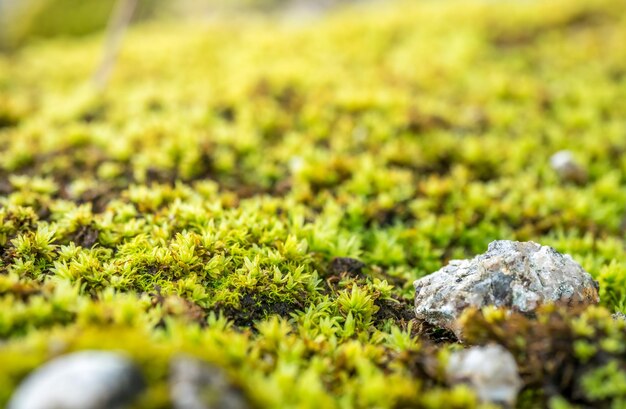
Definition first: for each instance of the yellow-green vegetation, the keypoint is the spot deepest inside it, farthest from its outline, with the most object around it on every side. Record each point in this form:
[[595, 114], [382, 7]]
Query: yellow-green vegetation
[[22, 21], [200, 202]]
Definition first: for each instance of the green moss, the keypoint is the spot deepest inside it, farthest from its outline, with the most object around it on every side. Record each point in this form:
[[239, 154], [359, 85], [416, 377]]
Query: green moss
[[197, 204]]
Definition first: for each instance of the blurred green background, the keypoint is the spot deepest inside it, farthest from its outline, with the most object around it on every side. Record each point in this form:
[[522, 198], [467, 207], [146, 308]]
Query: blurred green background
[[23, 21]]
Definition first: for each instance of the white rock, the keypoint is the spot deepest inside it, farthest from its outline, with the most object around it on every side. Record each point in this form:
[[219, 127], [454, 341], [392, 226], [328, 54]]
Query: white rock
[[82, 380], [515, 275], [565, 165], [490, 371]]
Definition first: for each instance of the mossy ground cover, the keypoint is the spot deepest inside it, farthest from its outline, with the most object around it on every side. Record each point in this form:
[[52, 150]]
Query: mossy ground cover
[[261, 194]]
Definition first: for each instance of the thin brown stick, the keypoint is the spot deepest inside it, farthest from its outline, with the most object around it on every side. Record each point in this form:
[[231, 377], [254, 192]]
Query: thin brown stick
[[118, 23]]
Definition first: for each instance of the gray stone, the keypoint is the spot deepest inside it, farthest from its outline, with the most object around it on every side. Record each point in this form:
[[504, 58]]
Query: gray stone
[[511, 274], [82, 380], [490, 371], [619, 316], [195, 384], [565, 165]]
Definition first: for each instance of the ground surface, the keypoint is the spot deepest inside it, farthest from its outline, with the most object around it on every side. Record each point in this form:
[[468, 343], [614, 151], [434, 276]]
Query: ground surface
[[199, 203]]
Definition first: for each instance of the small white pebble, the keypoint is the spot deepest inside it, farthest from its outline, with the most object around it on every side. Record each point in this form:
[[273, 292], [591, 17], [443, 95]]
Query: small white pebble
[[565, 165], [82, 380], [490, 371]]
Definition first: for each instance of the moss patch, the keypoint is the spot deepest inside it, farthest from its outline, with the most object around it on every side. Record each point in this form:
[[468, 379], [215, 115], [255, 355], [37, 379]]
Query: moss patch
[[262, 194]]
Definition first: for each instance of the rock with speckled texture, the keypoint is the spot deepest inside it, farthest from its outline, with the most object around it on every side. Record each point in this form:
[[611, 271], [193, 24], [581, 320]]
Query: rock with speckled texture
[[619, 316], [511, 274]]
